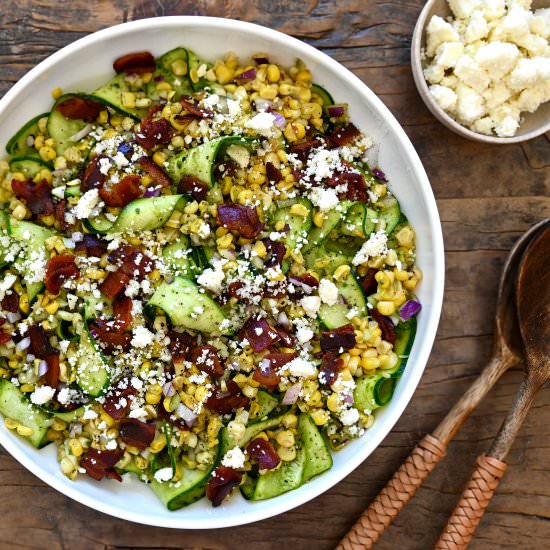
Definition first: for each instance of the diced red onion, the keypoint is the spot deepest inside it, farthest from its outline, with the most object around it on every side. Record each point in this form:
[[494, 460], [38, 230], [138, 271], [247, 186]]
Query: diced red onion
[[186, 414], [379, 174], [372, 154], [348, 398], [409, 309], [168, 390], [280, 120], [247, 75], [159, 78], [337, 111], [81, 134], [155, 192], [282, 319], [262, 104], [23, 344], [42, 368], [260, 59], [13, 317], [291, 395]]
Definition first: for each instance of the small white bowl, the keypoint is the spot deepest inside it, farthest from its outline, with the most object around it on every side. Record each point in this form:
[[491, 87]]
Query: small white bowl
[[532, 125], [86, 64]]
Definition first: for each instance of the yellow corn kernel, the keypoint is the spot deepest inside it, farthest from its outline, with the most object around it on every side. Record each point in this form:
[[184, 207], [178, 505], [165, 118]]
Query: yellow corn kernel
[[255, 177], [285, 439], [236, 430], [154, 275], [128, 100], [19, 212], [192, 208], [152, 398], [200, 393], [401, 275], [333, 402], [140, 462], [370, 363], [315, 399], [159, 158], [385, 307], [76, 447], [290, 420], [225, 241], [410, 285], [11, 424], [287, 454], [96, 274], [52, 307], [388, 360], [320, 416], [47, 153], [223, 73], [318, 219], [26, 388], [59, 425], [268, 92], [273, 73], [163, 86], [158, 443], [67, 467], [299, 210], [260, 249], [179, 67], [341, 273], [189, 438], [57, 93]]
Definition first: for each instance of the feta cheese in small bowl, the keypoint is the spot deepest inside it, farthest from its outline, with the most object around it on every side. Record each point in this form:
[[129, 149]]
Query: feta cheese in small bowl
[[482, 67]]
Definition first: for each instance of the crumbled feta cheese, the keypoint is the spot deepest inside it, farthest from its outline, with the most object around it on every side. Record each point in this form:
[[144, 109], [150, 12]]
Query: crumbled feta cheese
[[234, 458], [89, 414], [261, 123], [448, 54], [42, 394], [164, 474], [439, 31], [311, 305], [87, 203], [304, 335], [324, 198], [212, 278], [446, 97], [328, 292], [497, 58], [349, 416], [376, 245], [142, 337], [301, 367]]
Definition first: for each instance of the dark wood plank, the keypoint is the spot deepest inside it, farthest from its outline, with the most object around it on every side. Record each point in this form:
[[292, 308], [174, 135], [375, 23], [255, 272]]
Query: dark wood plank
[[487, 197]]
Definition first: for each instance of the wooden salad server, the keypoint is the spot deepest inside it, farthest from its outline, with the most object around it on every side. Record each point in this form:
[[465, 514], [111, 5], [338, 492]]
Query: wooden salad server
[[533, 309], [507, 352]]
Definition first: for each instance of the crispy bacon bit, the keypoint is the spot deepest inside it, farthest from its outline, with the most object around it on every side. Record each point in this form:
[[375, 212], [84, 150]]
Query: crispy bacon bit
[[10, 302], [243, 220], [301, 150], [121, 193], [368, 283], [330, 367], [190, 185], [40, 343], [114, 283], [340, 338], [100, 464], [155, 171], [137, 63], [386, 326], [137, 433], [4, 338], [342, 135], [59, 213], [79, 108], [356, 186], [207, 360], [221, 483], [122, 310], [272, 172], [263, 454], [227, 401], [58, 270], [286, 338], [93, 177], [275, 253], [154, 132], [37, 195], [92, 245], [117, 402], [180, 345], [111, 338], [302, 285], [266, 372], [193, 109], [259, 333], [51, 378]]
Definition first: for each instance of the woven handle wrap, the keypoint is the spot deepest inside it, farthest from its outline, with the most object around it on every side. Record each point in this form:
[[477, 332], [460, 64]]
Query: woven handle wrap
[[394, 495], [472, 505]]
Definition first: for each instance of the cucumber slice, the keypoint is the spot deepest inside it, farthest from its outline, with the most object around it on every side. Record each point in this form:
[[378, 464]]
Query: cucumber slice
[[140, 215], [194, 62], [178, 256], [29, 166], [373, 391], [67, 416], [267, 403], [318, 457], [180, 83], [403, 344], [336, 315], [15, 405], [318, 234], [93, 373], [187, 306], [251, 431], [17, 145], [320, 259], [390, 214], [358, 221], [323, 94], [110, 95]]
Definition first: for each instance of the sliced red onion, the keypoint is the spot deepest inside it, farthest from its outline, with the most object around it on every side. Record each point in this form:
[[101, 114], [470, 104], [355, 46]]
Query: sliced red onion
[[263, 104], [300, 284], [409, 309], [347, 398], [186, 414], [291, 395], [282, 319], [13, 317], [81, 134], [168, 390], [260, 59], [379, 174], [280, 120], [247, 75], [42, 368], [337, 111], [155, 192], [23, 344], [159, 78], [372, 154]]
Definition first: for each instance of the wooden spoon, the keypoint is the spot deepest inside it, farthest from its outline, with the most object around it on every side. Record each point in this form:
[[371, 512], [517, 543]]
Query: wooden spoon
[[507, 352], [533, 308]]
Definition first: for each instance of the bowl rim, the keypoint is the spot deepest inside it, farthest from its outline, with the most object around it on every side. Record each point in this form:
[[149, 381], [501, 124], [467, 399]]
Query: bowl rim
[[443, 117], [325, 482]]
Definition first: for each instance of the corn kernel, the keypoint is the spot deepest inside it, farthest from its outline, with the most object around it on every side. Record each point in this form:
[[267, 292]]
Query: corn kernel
[[333, 402], [320, 416], [26, 388], [341, 273], [179, 67], [47, 153], [319, 219], [223, 74], [57, 93], [290, 420], [386, 307], [260, 249], [285, 438], [11, 424], [287, 454], [128, 100], [273, 73], [76, 447], [52, 307], [67, 467], [59, 425]]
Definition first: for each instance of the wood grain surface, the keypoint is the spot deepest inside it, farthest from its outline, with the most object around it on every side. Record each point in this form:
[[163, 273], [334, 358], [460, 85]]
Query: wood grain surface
[[487, 196]]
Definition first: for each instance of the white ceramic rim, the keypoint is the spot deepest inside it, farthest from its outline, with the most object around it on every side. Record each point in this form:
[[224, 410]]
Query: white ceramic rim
[[324, 482]]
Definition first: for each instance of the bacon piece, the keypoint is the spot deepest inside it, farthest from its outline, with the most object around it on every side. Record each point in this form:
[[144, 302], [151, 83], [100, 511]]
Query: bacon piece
[[93, 177], [99, 464], [4, 338], [180, 345], [243, 220], [227, 401], [263, 454], [330, 367], [386, 326], [114, 283], [275, 253], [301, 150], [266, 372], [154, 132], [272, 172], [51, 378], [37, 195], [302, 285], [122, 310], [286, 338], [135, 63], [92, 245], [58, 270], [59, 213], [79, 108], [221, 483], [117, 402], [159, 176], [40, 343], [259, 333], [207, 360], [193, 109], [368, 282], [190, 185], [111, 338], [341, 338], [10, 301], [137, 433], [121, 193], [356, 186], [342, 135]]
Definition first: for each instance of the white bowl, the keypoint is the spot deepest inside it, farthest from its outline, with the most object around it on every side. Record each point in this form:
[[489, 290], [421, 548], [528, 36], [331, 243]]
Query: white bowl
[[84, 65]]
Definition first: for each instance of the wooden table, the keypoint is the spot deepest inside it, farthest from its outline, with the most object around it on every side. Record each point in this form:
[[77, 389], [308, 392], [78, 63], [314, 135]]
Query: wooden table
[[487, 197]]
